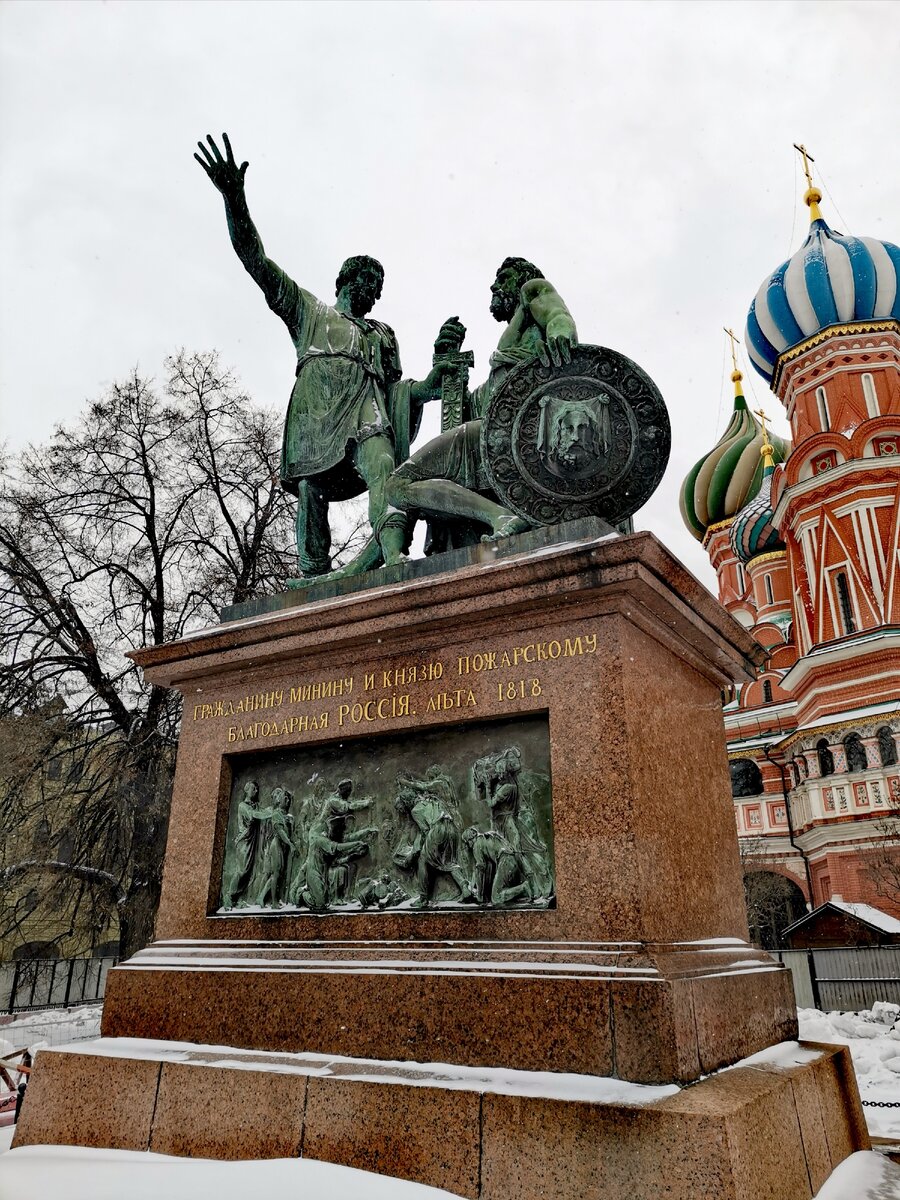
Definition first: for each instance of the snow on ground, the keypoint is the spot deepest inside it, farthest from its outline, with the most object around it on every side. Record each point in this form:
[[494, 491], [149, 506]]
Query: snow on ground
[[73, 1172], [866, 1175], [875, 1046], [51, 1027], [39, 1172]]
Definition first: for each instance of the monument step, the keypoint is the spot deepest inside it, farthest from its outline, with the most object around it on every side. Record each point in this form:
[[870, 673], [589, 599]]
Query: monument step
[[657, 1013], [577, 960], [756, 1129]]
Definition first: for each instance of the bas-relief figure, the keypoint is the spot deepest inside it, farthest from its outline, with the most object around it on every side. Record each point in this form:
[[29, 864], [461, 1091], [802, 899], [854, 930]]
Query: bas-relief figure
[[425, 853], [243, 850], [430, 804], [326, 878]]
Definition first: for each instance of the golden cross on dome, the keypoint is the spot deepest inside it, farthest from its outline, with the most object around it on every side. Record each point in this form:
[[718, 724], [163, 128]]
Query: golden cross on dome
[[813, 195], [736, 375], [735, 341], [807, 159], [766, 450]]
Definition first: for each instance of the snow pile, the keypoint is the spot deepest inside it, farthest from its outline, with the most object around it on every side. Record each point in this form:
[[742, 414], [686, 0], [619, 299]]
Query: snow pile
[[865, 1175], [39, 1172], [874, 1043], [51, 1027]]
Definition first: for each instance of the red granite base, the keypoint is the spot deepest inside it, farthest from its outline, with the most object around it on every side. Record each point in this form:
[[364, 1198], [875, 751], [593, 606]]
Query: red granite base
[[773, 1129], [648, 1014]]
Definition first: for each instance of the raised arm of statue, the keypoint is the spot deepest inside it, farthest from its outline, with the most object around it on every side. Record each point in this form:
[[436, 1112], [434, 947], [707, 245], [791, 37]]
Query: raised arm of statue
[[282, 295], [549, 310]]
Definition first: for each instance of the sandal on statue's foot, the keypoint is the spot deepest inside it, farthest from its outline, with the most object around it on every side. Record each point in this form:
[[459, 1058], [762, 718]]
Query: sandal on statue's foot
[[506, 527], [398, 561]]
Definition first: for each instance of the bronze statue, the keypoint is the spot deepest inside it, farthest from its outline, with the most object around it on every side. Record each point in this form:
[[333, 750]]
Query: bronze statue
[[351, 418], [447, 477]]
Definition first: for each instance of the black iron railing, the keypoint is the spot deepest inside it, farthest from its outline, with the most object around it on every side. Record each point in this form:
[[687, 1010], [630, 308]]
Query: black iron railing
[[37, 983]]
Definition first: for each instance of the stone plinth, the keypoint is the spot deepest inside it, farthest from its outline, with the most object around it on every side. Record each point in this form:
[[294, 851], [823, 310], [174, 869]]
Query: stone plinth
[[638, 970], [775, 1127]]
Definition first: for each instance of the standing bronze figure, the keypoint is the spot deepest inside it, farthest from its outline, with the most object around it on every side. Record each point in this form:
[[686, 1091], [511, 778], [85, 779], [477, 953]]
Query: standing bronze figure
[[351, 418]]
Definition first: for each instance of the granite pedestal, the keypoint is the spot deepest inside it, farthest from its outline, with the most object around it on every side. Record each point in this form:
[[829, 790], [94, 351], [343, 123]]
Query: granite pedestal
[[640, 972]]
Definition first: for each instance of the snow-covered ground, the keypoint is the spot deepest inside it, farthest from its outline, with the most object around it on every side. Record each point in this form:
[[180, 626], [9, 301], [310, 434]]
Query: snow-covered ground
[[51, 1027], [875, 1046], [863, 1176], [42, 1172], [75, 1173]]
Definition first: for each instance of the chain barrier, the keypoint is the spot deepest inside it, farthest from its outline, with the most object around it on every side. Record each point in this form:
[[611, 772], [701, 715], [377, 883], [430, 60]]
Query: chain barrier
[[880, 1103]]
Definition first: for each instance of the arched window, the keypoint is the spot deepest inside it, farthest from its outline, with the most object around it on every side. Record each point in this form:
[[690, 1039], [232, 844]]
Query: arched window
[[773, 903], [855, 752], [35, 950], [843, 593], [887, 746], [871, 396], [746, 779], [742, 582], [770, 596], [826, 758], [822, 405], [767, 691]]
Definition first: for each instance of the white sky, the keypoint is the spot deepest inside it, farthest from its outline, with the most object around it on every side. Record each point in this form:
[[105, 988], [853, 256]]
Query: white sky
[[639, 153]]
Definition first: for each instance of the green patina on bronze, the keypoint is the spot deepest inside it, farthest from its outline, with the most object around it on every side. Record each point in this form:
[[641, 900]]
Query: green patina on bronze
[[352, 419], [451, 817]]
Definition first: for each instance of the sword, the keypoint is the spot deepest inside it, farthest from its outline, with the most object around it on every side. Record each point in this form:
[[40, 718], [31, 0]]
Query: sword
[[454, 385]]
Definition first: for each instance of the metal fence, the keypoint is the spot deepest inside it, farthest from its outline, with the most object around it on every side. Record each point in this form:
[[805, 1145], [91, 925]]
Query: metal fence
[[846, 979], [34, 983]]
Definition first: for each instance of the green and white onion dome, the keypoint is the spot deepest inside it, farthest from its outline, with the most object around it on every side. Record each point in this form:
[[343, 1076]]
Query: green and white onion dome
[[724, 480], [753, 530]]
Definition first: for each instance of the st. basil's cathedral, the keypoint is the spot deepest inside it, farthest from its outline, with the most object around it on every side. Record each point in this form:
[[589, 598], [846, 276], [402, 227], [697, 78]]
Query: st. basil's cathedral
[[804, 537]]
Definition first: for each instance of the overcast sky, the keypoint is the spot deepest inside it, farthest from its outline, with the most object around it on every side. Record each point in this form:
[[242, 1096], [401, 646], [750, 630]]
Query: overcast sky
[[639, 153]]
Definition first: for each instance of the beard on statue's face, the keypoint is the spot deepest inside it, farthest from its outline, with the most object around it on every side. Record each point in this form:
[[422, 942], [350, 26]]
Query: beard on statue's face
[[503, 301]]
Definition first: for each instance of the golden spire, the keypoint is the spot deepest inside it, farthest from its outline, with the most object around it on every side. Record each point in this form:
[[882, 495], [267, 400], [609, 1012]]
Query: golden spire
[[812, 195], [736, 376], [766, 450]]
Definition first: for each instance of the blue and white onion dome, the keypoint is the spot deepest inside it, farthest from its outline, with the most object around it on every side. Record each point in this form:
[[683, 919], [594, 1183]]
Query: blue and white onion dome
[[753, 530], [831, 280]]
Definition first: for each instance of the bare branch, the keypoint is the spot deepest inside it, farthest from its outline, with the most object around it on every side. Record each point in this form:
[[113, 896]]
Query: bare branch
[[131, 526]]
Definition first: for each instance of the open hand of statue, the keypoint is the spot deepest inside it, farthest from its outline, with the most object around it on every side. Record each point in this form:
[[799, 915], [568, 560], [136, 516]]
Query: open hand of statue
[[557, 349], [450, 336], [224, 172]]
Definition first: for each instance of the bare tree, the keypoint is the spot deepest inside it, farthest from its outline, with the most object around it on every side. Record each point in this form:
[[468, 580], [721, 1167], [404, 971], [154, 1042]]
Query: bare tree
[[129, 528], [883, 859]]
